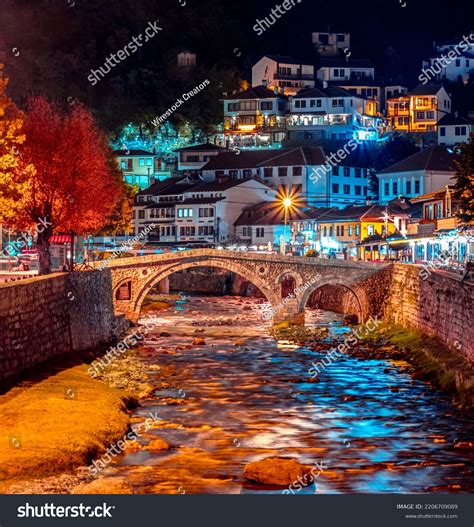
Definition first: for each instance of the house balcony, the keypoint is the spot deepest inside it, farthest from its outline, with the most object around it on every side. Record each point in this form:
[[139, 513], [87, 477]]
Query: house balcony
[[293, 76], [447, 224]]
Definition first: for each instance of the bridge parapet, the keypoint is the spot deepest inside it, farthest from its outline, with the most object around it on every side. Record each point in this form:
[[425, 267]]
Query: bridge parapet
[[275, 276]]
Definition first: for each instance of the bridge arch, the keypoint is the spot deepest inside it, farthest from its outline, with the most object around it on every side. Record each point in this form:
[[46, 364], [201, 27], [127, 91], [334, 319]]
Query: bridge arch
[[143, 281], [358, 295]]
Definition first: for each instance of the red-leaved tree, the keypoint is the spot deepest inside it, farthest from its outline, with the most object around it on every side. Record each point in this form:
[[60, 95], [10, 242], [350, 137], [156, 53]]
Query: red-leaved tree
[[74, 183]]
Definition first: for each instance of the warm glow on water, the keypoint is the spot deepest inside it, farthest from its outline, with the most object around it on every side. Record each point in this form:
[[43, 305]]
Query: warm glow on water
[[375, 428]]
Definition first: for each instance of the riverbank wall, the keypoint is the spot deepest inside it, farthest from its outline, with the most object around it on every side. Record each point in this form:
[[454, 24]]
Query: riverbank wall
[[48, 316]]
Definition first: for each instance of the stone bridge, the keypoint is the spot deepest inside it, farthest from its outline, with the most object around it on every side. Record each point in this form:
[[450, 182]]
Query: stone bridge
[[286, 281]]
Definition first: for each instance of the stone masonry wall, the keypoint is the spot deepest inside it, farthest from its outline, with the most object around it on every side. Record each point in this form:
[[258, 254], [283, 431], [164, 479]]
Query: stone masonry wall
[[438, 306], [48, 316]]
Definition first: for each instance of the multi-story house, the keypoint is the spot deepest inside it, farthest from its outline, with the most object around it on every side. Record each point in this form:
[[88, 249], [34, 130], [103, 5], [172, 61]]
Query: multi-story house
[[424, 172], [138, 166], [328, 43], [342, 181], [287, 170], [287, 74], [373, 89], [453, 129], [420, 110], [332, 113], [436, 235], [156, 206], [340, 70], [263, 225], [184, 212], [338, 232], [459, 67], [192, 158], [254, 117]]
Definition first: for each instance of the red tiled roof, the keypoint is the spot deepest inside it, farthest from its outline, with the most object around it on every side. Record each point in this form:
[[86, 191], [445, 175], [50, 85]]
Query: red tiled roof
[[299, 156]]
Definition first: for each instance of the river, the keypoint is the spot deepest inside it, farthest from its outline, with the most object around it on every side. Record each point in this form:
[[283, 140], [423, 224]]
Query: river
[[370, 425]]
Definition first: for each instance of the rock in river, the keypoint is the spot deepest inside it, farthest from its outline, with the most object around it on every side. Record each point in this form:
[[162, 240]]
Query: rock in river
[[158, 444], [104, 486], [279, 471]]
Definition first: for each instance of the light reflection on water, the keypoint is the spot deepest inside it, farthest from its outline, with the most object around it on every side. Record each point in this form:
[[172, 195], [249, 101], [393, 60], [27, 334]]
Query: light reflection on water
[[251, 402]]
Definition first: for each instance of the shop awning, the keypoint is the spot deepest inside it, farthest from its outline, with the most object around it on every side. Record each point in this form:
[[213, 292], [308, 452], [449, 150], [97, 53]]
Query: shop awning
[[60, 238]]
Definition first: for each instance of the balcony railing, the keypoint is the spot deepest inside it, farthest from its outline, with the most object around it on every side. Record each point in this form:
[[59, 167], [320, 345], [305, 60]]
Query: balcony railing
[[447, 223], [293, 76]]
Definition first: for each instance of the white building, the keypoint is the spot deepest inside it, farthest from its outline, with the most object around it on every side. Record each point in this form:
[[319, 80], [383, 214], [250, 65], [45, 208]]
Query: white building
[[299, 172], [187, 213], [421, 173], [327, 43], [452, 60], [287, 74], [453, 130], [332, 113], [254, 118], [340, 69]]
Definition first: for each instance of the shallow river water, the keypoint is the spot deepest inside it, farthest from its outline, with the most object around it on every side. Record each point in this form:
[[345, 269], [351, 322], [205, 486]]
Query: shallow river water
[[367, 422]]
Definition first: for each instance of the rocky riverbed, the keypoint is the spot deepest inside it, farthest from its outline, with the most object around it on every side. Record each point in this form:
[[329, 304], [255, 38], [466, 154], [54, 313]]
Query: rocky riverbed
[[227, 394]]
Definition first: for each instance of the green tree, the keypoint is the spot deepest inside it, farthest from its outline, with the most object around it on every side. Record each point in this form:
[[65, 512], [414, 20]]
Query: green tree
[[464, 187]]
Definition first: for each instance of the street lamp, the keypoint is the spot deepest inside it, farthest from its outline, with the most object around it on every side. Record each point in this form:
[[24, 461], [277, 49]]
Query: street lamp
[[287, 204]]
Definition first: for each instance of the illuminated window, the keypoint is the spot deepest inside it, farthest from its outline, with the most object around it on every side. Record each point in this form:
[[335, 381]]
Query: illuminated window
[[370, 230], [149, 162], [141, 162]]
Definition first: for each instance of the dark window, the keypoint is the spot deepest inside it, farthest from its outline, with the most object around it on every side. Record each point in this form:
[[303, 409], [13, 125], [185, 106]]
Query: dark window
[[394, 188], [347, 189], [141, 214], [357, 172], [297, 171], [442, 131], [335, 188], [358, 190], [417, 187], [266, 105], [408, 187], [386, 189], [347, 172], [319, 103], [335, 171], [282, 171], [268, 172]]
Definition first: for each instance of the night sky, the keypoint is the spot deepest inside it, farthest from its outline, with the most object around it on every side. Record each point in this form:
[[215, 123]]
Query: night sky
[[59, 41]]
